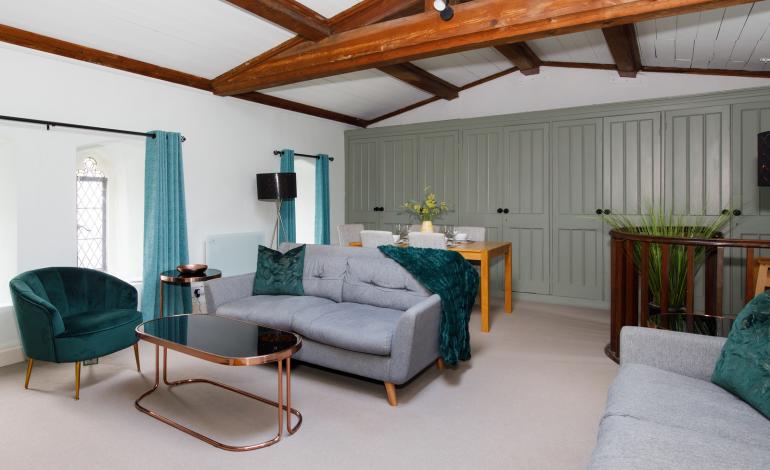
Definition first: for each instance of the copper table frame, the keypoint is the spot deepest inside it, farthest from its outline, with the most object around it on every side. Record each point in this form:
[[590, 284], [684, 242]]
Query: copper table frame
[[280, 357]]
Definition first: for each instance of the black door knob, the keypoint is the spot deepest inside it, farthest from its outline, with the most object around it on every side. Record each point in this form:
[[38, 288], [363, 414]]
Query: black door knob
[[505, 211], [737, 212], [725, 212], [499, 210], [606, 211], [598, 211]]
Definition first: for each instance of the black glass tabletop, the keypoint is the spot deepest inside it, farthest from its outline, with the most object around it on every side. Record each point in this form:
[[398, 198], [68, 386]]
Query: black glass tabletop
[[176, 277], [220, 339]]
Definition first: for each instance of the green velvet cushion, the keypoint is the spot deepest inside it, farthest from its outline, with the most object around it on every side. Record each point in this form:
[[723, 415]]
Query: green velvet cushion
[[279, 273], [744, 366]]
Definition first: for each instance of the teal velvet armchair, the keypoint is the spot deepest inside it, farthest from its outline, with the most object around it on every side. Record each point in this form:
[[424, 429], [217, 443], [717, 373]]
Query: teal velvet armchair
[[74, 314]]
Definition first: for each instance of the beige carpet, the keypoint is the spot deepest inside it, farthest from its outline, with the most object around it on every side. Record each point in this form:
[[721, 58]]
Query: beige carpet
[[531, 398]]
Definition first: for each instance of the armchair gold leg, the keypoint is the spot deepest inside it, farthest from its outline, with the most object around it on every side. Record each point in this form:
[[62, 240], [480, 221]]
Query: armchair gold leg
[[440, 364], [390, 389], [77, 380], [136, 356], [30, 363]]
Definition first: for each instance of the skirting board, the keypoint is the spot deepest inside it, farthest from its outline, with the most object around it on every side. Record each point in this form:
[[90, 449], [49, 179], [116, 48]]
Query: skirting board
[[11, 355]]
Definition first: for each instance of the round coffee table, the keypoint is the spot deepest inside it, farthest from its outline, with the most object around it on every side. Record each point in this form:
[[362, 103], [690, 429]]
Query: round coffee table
[[229, 342]]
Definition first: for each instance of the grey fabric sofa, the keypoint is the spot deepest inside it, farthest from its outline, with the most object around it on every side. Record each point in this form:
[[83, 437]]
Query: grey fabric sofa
[[663, 412], [362, 313]]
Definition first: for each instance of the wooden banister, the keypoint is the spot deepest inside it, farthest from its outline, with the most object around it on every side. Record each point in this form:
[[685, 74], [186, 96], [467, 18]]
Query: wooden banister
[[630, 281]]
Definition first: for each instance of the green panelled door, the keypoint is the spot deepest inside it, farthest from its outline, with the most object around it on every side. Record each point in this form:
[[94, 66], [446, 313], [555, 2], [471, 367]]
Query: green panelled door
[[577, 264], [362, 176], [526, 212]]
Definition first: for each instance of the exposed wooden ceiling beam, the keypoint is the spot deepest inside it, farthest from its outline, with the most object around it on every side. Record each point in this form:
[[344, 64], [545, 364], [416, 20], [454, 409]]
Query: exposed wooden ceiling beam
[[679, 70], [522, 57], [476, 24], [301, 108], [361, 14], [696, 71], [51, 45], [424, 102], [289, 14], [421, 79], [624, 49], [371, 12]]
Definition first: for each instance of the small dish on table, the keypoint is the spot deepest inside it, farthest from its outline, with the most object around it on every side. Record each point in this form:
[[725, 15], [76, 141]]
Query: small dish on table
[[190, 269]]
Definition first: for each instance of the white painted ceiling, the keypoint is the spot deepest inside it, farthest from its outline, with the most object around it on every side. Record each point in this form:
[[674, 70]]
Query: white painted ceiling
[[209, 37], [729, 38]]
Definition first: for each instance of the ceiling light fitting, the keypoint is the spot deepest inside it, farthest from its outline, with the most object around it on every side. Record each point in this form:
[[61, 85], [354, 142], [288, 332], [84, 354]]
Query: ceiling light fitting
[[445, 11]]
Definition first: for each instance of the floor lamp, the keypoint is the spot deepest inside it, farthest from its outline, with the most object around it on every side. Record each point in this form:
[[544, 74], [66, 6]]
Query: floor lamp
[[276, 187]]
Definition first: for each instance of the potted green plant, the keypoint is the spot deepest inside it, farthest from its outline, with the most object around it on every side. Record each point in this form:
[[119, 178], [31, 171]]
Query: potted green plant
[[427, 210], [659, 222]]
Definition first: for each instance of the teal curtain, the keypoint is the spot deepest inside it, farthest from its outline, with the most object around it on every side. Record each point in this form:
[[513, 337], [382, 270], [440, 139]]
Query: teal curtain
[[288, 212], [322, 229], [165, 224]]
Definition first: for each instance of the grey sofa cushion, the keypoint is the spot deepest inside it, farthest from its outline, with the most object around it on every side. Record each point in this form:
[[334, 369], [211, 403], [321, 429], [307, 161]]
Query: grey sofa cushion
[[628, 443], [381, 282], [323, 275], [687, 404], [275, 311], [351, 326]]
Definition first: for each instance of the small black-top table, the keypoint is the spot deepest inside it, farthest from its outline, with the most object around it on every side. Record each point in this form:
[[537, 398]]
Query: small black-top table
[[176, 278]]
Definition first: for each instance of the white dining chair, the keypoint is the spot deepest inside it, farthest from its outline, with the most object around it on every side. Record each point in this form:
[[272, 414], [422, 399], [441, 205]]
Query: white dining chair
[[349, 233], [418, 227], [427, 240], [475, 234], [375, 238]]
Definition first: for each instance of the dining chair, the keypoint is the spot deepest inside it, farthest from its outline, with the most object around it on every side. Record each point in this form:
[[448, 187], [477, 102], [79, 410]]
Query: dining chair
[[427, 240], [375, 238], [349, 233], [475, 234]]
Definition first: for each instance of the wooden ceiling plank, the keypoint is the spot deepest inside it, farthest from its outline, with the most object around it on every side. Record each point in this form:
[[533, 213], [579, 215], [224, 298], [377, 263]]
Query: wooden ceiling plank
[[522, 56], [58, 47], [288, 14], [476, 24], [362, 14], [624, 49]]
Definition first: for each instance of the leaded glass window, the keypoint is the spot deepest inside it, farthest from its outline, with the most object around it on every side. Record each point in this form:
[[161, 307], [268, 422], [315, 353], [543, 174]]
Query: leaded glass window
[[91, 195]]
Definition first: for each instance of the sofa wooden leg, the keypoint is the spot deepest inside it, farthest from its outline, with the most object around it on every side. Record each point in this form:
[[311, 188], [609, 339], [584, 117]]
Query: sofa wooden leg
[[440, 364], [77, 380], [30, 363], [390, 389], [136, 356]]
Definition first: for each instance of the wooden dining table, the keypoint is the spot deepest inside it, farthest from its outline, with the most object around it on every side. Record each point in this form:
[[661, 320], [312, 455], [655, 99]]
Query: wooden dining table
[[484, 252]]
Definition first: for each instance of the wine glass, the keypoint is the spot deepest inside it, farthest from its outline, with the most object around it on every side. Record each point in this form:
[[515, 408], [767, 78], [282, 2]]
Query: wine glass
[[450, 232]]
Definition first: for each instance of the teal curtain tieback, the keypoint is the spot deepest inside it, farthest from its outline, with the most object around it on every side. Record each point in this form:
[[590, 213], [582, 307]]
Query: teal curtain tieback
[[165, 224], [288, 211], [322, 227]]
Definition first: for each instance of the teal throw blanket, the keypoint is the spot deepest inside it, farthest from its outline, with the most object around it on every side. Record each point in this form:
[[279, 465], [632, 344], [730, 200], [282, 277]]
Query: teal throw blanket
[[449, 275]]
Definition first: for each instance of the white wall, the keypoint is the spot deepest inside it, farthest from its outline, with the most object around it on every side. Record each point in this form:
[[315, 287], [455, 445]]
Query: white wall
[[228, 142], [555, 88]]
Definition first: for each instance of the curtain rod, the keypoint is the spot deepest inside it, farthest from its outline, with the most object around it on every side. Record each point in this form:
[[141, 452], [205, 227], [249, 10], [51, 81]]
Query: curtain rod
[[278, 152], [49, 124]]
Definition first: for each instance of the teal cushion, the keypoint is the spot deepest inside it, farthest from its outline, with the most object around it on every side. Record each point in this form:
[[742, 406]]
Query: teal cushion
[[744, 366], [279, 273]]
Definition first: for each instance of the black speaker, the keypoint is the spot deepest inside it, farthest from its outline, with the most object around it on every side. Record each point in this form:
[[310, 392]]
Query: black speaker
[[763, 159]]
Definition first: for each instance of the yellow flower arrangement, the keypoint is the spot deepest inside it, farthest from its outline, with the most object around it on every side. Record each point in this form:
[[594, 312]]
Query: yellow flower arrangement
[[428, 208]]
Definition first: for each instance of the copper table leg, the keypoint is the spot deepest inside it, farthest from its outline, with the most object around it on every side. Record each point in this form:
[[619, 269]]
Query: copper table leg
[[279, 405]]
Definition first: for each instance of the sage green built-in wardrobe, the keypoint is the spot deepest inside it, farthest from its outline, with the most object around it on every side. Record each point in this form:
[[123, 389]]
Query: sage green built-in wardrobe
[[539, 180]]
